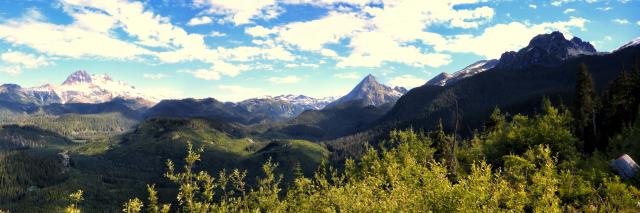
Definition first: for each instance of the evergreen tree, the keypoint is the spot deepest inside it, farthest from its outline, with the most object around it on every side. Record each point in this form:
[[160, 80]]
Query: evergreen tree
[[442, 144], [619, 106], [585, 106]]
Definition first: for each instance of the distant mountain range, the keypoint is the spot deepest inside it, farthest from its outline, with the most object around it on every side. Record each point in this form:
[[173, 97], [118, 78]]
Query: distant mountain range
[[284, 106], [368, 92]]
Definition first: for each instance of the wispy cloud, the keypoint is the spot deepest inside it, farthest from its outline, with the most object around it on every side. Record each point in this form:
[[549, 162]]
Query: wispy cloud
[[199, 21], [621, 21], [285, 80], [154, 76], [216, 34], [407, 81], [20, 61], [347, 75]]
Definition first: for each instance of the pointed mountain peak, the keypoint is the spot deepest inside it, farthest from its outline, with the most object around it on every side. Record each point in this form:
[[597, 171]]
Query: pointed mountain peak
[[371, 92], [369, 78], [78, 77]]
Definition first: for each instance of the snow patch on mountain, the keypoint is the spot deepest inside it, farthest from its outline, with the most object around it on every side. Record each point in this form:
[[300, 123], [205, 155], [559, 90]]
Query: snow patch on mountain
[[480, 66], [632, 43]]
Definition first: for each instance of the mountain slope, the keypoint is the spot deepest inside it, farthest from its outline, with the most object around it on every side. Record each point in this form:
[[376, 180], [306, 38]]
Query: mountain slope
[[330, 122], [475, 68], [513, 90], [371, 92]]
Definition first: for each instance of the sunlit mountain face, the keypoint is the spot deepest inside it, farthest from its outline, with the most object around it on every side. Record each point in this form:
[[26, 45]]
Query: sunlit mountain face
[[236, 50]]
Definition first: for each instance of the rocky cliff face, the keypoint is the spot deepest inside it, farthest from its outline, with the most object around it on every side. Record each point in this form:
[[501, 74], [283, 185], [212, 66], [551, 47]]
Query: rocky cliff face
[[546, 50]]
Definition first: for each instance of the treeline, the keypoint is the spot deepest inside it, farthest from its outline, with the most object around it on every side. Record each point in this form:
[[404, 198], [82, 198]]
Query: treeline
[[76, 126]]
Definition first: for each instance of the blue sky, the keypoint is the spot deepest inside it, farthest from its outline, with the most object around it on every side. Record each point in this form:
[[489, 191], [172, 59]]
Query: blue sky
[[237, 49]]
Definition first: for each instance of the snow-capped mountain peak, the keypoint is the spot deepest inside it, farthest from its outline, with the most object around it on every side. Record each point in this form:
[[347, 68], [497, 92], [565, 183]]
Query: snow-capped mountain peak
[[78, 77], [82, 87]]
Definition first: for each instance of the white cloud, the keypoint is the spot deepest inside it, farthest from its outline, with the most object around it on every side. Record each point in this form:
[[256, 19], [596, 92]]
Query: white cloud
[[155, 76], [237, 92], [533, 6], [25, 60], [11, 70], [620, 21], [237, 89], [380, 35], [216, 34], [199, 21], [638, 22], [569, 10], [205, 74], [327, 30], [302, 65], [347, 75], [92, 33], [493, 41], [259, 31], [241, 11], [407, 81], [248, 53], [604, 8], [559, 3], [217, 69], [328, 53], [290, 79], [70, 41], [373, 49]]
